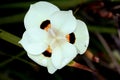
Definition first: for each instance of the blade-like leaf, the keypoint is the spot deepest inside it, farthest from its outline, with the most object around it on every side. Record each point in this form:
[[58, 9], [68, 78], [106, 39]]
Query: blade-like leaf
[[9, 37]]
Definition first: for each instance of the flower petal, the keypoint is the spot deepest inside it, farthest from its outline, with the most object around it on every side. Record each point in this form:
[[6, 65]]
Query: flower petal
[[69, 52], [63, 21], [82, 37], [56, 57], [38, 13], [51, 67], [34, 41], [63, 54], [39, 59], [43, 61]]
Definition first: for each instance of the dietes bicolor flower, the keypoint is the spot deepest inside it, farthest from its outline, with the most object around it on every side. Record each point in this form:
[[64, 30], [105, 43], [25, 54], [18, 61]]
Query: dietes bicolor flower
[[53, 37]]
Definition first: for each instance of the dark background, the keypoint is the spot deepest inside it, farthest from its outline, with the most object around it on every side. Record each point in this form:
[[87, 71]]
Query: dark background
[[15, 64]]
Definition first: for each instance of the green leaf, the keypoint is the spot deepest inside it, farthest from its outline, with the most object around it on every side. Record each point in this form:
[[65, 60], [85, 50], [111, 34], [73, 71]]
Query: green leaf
[[102, 29], [12, 19], [9, 37], [62, 4]]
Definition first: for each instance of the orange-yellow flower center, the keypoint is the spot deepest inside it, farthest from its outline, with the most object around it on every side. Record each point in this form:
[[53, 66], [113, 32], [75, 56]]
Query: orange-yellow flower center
[[47, 27], [49, 49], [68, 37]]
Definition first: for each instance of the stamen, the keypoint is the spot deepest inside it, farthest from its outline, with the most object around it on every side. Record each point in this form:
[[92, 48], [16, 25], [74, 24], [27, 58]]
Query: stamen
[[51, 32], [45, 25]]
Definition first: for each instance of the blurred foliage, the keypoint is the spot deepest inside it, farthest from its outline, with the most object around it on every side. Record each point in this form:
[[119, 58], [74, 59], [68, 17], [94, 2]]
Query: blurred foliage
[[104, 41]]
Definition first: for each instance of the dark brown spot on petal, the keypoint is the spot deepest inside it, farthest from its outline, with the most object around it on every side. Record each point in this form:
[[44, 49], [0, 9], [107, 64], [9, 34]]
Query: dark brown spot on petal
[[72, 38], [45, 25], [46, 53]]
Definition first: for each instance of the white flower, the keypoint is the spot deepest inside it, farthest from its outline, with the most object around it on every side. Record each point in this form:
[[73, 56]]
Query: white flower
[[53, 37]]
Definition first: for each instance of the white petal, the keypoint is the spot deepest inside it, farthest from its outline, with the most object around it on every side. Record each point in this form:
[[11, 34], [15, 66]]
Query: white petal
[[51, 67], [39, 59], [63, 54], [36, 34], [56, 57], [82, 37], [34, 43], [38, 12], [69, 52], [63, 21]]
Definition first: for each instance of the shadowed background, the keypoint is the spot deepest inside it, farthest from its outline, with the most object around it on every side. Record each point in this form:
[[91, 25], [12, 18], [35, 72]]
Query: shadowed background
[[103, 21]]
